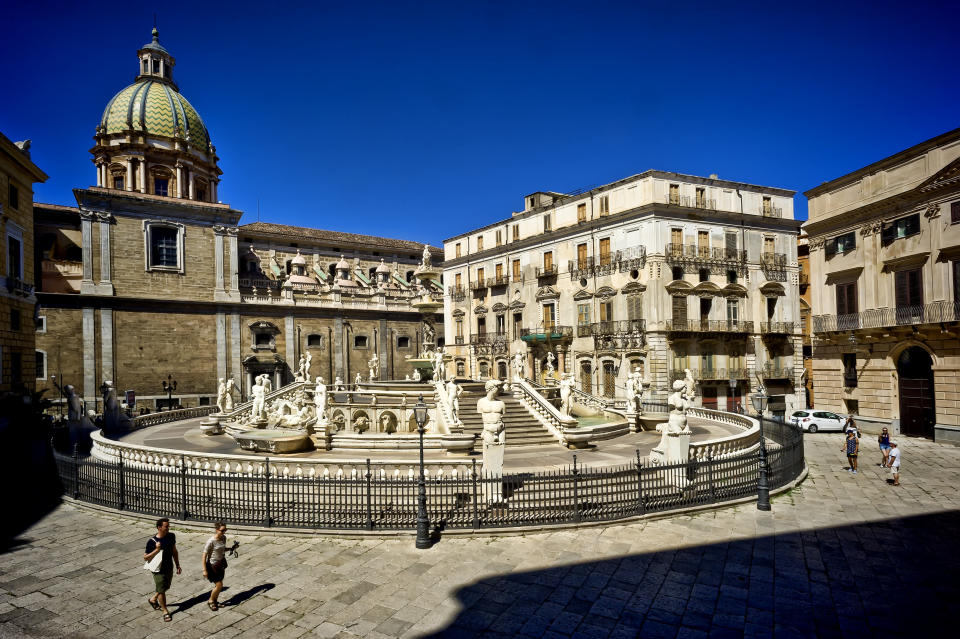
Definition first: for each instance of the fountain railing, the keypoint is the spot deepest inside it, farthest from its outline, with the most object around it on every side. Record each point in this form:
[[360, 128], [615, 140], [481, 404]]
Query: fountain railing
[[555, 421], [445, 417]]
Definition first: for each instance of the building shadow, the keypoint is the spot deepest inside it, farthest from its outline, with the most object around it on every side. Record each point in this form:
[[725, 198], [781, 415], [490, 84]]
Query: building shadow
[[33, 488], [873, 579]]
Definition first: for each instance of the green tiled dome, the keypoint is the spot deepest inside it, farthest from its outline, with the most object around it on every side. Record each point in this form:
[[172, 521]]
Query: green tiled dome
[[155, 108]]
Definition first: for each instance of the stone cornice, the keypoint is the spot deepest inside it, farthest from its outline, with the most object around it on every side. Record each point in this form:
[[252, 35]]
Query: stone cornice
[[138, 205], [875, 213]]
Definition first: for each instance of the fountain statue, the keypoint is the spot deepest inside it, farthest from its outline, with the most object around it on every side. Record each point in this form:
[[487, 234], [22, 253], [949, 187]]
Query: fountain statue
[[257, 412], [374, 366], [634, 391], [228, 400], [438, 372], [674, 446], [320, 400], [518, 367], [566, 394], [358, 380], [453, 398], [491, 412]]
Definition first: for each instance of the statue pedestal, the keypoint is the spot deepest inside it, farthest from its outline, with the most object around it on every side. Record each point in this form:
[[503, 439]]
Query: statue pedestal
[[322, 434], [674, 448], [634, 421], [258, 423], [211, 425], [493, 467]]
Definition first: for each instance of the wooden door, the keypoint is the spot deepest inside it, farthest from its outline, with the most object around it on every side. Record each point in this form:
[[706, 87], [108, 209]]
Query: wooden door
[[917, 416], [586, 379], [609, 380]]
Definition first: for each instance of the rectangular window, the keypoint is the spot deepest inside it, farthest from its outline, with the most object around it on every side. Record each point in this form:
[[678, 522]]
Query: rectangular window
[[403, 342], [954, 212], [160, 186], [850, 370], [359, 341], [41, 365], [14, 257], [163, 246], [605, 251], [730, 246], [549, 316], [706, 304], [904, 227], [459, 330], [676, 242], [480, 276], [499, 238], [767, 205], [847, 317], [548, 261], [604, 205], [703, 244], [581, 212], [583, 314], [516, 232], [634, 306], [547, 227], [516, 270], [501, 324], [499, 272], [457, 281], [16, 368], [517, 324], [908, 285], [840, 244], [701, 198], [733, 311], [13, 196], [118, 183], [606, 311], [581, 256], [456, 249], [731, 277], [481, 325], [674, 194], [41, 324], [479, 242], [679, 309], [769, 246]]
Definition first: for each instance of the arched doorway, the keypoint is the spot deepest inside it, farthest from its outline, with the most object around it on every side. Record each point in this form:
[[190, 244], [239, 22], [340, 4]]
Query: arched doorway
[[917, 410], [609, 380]]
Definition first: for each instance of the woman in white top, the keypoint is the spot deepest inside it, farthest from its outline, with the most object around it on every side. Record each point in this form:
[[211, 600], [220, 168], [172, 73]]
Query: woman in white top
[[215, 562]]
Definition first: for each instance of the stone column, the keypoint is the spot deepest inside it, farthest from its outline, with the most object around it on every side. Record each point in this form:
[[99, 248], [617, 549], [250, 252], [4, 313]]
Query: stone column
[[180, 173], [190, 186], [290, 337], [236, 364], [128, 183], [222, 346], [213, 190], [86, 242], [89, 354], [105, 286], [143, 176], [338, 368], [100, 180], [384, 346], [106, 344]]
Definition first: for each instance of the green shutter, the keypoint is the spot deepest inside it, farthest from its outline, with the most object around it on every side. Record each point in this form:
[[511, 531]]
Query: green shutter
[[323, 275], [363, 278], [276, 269]]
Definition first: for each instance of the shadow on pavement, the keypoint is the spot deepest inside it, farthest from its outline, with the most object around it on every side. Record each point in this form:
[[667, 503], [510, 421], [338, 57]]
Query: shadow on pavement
[[871, 579], [249, 593], [32, 487]]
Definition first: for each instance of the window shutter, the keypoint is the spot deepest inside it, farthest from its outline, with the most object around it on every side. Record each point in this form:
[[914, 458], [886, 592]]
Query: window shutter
[[915, 287], [888, 232], [830, 247], [954, 212], [900, 289], [679, 308], [852, 297]]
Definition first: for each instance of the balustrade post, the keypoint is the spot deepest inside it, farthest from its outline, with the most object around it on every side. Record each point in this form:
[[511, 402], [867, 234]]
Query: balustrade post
[[183, 487], [576, 496], [267, 489], [122, 487], [640, 507], [476, 508], [76, 471], [369, 498], [713, 489]]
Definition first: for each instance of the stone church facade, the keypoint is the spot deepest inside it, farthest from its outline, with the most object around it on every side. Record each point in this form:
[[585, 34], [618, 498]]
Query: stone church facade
[[150, 274]]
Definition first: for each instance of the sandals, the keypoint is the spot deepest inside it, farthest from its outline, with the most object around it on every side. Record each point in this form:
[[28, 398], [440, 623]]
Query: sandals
[[213, 605], [167, 617], [153, 604]]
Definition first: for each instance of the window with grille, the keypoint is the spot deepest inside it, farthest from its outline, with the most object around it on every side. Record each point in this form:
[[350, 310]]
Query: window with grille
[[163, 247]]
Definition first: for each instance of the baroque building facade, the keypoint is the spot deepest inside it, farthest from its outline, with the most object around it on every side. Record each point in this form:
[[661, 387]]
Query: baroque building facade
[[885, 268], [150, 274], [18, 355], [658, 271]]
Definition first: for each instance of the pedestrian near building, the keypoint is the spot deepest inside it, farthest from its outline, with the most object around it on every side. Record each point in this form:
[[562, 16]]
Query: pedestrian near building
[[851, 425], [894, 463], [164, 542], [215, 562], [852, 448], [884, 441]]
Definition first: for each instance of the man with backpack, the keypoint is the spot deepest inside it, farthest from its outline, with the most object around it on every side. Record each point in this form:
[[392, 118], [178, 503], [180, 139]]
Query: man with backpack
[[164, 546]]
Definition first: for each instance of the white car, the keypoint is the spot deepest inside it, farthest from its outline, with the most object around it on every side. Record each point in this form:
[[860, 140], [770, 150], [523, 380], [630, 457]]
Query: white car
[[812, 421]]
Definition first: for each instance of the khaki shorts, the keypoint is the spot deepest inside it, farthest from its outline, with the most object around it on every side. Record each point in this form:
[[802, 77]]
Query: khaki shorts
[[895, 470], [161, 581]]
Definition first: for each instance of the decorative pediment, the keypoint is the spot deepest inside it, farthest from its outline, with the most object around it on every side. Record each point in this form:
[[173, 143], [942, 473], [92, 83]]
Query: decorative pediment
[[679, 287], [547, 293], [499, 307], [706, 289], [480, 310], [907, 261], [633, 287], [772, 289], [606, 291], [516, 305], [734, 290], [948, 175], [582, 294], [458, 312], [262, 326]]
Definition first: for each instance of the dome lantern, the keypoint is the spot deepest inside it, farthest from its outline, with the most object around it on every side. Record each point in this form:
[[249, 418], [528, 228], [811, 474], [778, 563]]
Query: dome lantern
[[156, 63]]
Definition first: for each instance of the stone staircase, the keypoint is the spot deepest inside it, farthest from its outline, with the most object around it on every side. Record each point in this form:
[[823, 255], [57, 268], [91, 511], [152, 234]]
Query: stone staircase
[[522, 428]]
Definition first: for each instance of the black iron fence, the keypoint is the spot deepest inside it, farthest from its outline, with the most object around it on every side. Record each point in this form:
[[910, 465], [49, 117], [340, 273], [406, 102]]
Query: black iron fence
[[371, 500]]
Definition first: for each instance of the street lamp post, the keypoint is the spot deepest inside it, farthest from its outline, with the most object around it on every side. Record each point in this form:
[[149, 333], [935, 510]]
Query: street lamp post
[[169, 386], [763, 489], [733, 389], [423, 522]]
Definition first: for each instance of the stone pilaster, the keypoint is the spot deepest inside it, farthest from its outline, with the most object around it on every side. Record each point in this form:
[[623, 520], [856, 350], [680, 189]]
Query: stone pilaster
[[236, 364], [220, 293], [221, 329], [290, 337], [87, 286], [338, 368], [384, 350], [106, 344], [105, 285], [88, 339]]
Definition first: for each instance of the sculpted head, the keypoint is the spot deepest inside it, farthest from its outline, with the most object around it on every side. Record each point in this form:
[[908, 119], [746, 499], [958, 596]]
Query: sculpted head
[[492, 385], [678, 385]]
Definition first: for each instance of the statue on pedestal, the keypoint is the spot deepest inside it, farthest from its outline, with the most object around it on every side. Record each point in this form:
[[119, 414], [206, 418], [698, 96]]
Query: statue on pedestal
[[518, 367], [222, 395], [416, 375], [453, 398], [257, 412], [111, 409], [374, 366], [438, 372], [228, 400], [550, 369], [674, 443], [320, 400], [566, 394], [338, 384], [303, 364], [634, 391], [358, 379], [425, 263], [494, 439]]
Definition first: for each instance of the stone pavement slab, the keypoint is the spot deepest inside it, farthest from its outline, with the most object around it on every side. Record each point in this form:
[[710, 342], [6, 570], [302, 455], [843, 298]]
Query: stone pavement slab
[[841, 555]]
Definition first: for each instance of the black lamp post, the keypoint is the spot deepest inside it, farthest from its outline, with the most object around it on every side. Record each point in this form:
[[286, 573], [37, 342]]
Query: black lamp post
[[732, 408], [763, 490], [169, 386], [423, 522]]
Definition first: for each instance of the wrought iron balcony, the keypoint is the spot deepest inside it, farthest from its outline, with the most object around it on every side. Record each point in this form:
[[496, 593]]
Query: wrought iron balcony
[[547, 271], [458, 339], [689, 201], [709, 326], [623, 260], [546, 332], [769, 371], [773, 260], [457, 293], [499, 280], [487, 338], [681, 253], [771, 211], [615, 327], [776, 327], [478, 284], [933, 313], [712, 374], [18, 287]]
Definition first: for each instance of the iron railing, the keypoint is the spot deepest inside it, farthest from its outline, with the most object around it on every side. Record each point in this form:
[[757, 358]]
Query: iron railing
[[690, 201], [17, 286], [498, 280], [771, 211], [932, 313], [615, 327], [477, 284], [712, 374], [552, 331], [373, 500], [488, 338], [676, 252], [776, 327], [258, 282], [773, 260], [546, 271], [709, 326], [769, 371]]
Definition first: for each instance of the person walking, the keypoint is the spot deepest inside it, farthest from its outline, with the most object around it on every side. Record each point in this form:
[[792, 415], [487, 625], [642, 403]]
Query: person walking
[[884, 441], [893, 463], [215, 562], [163, 542], [851, 425], [852, 447]]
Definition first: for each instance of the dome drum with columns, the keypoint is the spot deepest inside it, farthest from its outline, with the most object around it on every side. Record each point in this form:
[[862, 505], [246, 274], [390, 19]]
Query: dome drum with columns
[[151, 139]]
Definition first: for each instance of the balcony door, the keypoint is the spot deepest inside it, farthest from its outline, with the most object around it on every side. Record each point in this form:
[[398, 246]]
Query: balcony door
[[549, 318], [609, 379], [679, 312], [908, 286], [581, 256], [847, 318], [586, 379]]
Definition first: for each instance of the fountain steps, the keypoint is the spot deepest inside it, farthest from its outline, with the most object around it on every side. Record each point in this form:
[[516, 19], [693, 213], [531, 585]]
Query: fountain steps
[[522, 428]]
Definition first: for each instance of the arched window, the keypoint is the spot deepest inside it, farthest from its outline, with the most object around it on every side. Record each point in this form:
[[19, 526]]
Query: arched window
[[333, 271], [409, 276]]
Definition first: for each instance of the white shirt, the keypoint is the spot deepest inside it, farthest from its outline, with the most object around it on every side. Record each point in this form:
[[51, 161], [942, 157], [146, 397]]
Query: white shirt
[[895, 457]]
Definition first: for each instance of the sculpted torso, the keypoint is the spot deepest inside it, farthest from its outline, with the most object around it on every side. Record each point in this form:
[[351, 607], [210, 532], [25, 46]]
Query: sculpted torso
[[491, 412]]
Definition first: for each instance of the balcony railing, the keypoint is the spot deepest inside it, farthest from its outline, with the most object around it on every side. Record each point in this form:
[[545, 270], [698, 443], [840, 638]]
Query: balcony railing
[[693, 253], [549, 331], [771, 211], [615, 327], [623, 260], [932, 313], [258, 282], [709, 326], [18, 287], [773, 260], [478, 284], [546, 271], [804, 279], [776, 327], [769, 371], [457, 293], [712, 374], [498, 280], [487, 338], [690, 201]]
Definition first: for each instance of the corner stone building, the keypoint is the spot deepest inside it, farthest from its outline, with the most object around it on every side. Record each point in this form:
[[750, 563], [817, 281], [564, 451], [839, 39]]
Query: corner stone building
[[150, 275], [885, 272]]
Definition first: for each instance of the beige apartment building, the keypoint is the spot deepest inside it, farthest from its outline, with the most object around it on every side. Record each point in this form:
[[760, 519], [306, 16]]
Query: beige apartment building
[[658, 271], [18, 357], [885, 272]]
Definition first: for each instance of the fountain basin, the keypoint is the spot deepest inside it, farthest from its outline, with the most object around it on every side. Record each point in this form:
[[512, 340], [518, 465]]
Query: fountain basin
[[276, 440]]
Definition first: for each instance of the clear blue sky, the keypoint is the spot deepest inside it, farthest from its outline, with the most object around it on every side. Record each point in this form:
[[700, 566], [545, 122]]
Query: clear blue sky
[[423, 120]]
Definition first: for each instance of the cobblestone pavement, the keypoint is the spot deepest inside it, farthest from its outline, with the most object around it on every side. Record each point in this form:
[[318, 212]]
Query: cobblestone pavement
[[841, 555]]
